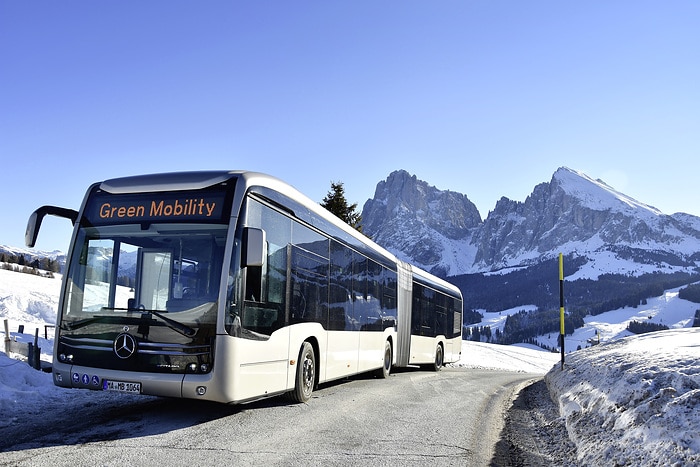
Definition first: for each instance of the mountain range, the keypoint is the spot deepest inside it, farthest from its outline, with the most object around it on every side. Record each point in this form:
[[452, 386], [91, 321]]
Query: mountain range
[[618, 251], [605, 230]]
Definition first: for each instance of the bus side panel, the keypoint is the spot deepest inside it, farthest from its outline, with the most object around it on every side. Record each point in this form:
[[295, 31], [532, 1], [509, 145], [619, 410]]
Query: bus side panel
[[371, 351], [453, 349], [341, 354], [254, 375], [423, 349]]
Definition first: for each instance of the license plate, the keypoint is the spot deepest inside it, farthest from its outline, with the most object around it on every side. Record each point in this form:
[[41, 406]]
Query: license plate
[[122, 386]]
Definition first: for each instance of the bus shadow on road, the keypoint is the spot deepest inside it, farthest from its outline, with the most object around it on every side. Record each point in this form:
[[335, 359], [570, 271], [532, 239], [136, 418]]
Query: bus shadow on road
[[96, 420], [89, 418]]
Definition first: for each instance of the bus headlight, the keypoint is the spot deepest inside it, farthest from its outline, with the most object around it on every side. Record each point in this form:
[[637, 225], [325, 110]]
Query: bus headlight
[[204, 367], [63, 358], [192, 367]]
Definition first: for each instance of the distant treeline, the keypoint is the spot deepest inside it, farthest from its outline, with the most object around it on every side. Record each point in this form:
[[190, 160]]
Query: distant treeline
[[539, 285], [640, 327], [690, 293], [524, 326], [26, 270], [471, 317], [45, 264]]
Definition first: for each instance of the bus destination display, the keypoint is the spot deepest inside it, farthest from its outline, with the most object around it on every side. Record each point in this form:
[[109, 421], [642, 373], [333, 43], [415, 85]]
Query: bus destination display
[[164, 207]]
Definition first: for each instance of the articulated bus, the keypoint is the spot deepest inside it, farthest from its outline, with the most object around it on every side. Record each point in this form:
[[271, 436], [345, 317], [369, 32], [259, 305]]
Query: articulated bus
[[231, 286]]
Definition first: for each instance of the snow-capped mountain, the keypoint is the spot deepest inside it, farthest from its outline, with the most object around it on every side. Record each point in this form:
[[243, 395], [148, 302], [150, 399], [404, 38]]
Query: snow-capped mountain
[[442, 232], [422, 224], [31, 255], [127, 261]]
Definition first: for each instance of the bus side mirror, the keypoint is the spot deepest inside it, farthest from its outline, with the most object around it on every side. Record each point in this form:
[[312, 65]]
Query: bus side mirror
[[254, 247], [34, 222]]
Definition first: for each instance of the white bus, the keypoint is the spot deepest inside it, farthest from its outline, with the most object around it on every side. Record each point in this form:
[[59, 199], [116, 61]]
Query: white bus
[[231, 286]]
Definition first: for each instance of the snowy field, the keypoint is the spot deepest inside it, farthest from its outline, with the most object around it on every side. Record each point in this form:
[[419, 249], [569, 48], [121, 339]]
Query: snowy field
[[629, 401], [668, 309]]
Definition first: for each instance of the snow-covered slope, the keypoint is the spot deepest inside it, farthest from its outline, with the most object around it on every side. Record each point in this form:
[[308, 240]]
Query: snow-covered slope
[[668, 309], [599, 196], [28, 299]]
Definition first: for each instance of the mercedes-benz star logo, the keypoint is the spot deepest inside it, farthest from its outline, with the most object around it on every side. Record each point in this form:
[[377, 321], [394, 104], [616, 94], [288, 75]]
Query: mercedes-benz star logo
[[124, 345]]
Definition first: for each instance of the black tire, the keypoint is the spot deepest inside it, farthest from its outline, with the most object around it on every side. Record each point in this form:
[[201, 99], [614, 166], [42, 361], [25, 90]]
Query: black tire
[[306, 374], [439, 358], [385, 370]]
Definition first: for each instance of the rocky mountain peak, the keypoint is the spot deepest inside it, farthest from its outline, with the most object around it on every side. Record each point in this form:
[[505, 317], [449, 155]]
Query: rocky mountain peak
[[415, 220], [442, 230]]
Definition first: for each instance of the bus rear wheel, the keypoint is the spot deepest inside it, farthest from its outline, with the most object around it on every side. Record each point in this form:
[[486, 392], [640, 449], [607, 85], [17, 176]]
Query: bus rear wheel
[[306, 374], [385, 370], [439, 359]]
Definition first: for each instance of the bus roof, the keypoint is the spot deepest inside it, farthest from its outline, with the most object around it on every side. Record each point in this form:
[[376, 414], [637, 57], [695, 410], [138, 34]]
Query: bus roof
[[195, 180]]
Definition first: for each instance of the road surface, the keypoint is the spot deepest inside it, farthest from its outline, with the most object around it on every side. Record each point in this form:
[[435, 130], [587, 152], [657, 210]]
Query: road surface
[[451, 417]]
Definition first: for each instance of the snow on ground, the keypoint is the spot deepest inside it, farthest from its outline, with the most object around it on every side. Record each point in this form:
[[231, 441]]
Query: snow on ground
[[630, 401], [29, 299], [522, 358]]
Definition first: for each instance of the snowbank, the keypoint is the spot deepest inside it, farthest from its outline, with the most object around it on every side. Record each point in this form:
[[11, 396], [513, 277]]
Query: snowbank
[[635, 401]]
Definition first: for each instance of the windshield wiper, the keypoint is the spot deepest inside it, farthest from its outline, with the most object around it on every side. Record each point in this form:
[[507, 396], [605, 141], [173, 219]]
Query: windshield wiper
[[145, 315], [77, 324], [177, 326]]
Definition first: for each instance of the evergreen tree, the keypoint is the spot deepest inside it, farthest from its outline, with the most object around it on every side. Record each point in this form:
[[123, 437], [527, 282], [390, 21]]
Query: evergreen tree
[[336, 203]]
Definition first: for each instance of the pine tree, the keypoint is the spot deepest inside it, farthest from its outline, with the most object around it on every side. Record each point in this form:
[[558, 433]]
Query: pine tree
[[336, 203]]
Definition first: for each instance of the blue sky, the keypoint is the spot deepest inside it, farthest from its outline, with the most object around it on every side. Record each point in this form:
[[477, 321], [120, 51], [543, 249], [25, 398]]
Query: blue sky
[[487, 98]]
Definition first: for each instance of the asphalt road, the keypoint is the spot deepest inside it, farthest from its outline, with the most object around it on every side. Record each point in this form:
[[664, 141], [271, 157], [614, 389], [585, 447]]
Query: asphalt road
[[415, 417]]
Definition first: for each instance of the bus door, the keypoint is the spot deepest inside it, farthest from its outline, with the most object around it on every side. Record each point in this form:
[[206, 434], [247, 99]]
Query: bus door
[[263, 350]]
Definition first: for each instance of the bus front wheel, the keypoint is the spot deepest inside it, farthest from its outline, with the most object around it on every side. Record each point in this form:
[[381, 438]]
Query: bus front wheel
[[305, 375]]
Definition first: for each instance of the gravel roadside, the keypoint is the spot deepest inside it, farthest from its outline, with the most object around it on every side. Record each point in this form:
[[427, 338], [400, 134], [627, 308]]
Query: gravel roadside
[[534, 434]]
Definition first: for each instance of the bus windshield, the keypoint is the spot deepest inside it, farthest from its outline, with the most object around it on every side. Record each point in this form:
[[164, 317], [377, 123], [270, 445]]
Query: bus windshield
[[165, 268]]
